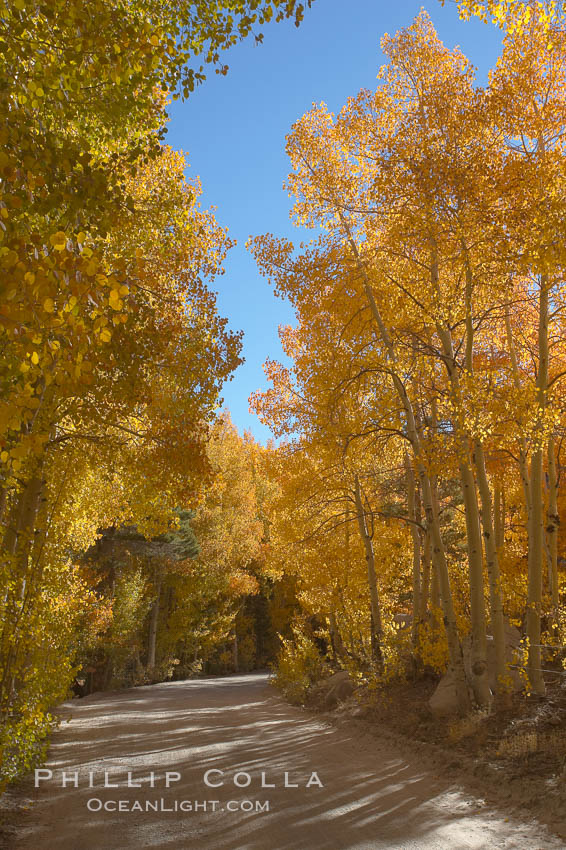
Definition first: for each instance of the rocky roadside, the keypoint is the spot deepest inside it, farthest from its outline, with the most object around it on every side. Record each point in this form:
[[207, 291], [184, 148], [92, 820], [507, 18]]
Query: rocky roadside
[[514, 760]]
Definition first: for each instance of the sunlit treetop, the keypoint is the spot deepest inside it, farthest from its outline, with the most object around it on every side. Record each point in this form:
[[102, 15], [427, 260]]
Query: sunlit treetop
[[512, 14]]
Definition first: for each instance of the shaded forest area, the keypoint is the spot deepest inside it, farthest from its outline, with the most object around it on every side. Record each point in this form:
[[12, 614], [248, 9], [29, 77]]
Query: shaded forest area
[[194, 600]]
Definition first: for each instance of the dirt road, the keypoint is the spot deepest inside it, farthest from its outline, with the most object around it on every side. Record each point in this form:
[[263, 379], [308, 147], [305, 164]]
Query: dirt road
[[238, 729]]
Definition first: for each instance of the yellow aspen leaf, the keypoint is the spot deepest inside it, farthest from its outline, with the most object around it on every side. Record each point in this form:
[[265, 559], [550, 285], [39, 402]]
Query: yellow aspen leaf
[[59, 240], [35, 358], [48, 305], [105, 335]]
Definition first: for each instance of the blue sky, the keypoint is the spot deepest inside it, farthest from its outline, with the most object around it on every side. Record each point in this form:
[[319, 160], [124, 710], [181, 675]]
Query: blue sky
[[233, 129]]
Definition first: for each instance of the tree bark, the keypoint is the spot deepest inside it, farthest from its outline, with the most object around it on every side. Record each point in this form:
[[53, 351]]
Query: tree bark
[[377, 628], [17, 544], [499, 517], [523, 452], [235, 653], [336, 640], [412, 512], [153, 624], [493, 573], [480, 682], [534, 600], [553, 522], [426, 590]]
